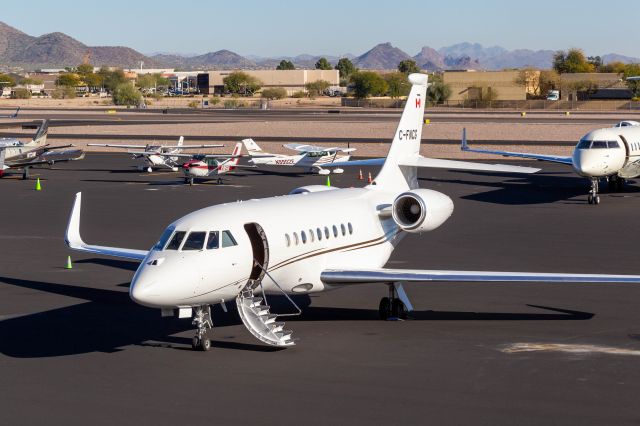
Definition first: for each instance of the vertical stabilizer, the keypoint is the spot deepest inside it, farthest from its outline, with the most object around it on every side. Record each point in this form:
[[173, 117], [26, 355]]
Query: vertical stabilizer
[[251, 146], [406, 141], [41, 136]]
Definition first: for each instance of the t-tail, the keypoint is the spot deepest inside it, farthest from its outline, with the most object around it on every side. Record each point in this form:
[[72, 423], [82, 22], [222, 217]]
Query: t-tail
[[41, 136], [180, 142], [406, 141]]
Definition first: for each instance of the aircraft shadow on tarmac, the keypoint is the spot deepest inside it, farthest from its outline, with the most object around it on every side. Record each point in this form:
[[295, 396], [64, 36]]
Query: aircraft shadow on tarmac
[[109, 321], [532, 189]]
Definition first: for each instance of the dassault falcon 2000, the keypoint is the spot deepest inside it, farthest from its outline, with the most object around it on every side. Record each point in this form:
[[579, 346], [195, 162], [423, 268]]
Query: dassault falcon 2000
[[314, 239], [612, 153]]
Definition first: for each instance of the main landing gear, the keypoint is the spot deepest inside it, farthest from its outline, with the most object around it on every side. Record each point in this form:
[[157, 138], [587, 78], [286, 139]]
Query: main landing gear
[[393, 307], [594, 198], [615, 183], [202, 320]]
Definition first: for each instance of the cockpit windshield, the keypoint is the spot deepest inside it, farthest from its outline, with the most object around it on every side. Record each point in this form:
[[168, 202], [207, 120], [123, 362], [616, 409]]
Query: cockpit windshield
[[163, 238], [177, 238], [195, 241], [587, 144]]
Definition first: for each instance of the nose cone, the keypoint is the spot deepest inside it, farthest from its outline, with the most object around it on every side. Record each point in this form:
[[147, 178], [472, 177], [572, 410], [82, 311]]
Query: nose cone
[[144, 288], [591, 162]]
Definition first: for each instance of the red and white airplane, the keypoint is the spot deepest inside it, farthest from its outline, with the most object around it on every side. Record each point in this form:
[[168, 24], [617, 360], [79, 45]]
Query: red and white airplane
[[211, 166]]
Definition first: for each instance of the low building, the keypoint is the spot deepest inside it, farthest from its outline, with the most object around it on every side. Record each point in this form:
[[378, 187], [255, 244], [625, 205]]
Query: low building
[[486, 85], [593, 85], [291, 80]]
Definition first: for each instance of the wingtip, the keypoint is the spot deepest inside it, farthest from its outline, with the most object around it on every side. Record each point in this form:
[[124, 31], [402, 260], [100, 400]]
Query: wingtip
[[72, 236]]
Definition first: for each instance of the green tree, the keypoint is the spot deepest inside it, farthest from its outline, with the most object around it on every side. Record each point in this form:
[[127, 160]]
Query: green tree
[[615, 66], [632, 70], [84, 69], [572, 61], [241, 83], [345, 67], [548, 80], [6, 80], [68, 80], [408, 66], [438, 92], [112, 79], [93, 80], [285, 65], [368, 83], [126, 94], [20, 93], [316, 88], [398, 84], [146, 81], [323, 64], [33, 81], [64, 92], [274, 93]]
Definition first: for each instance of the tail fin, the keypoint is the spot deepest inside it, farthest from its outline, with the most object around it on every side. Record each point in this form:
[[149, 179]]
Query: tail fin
[[41, 136], [464, 146], [251, 146], [406, 142], [236, 154], [229, 164], [2, 155], [181, 141], [15, 114]]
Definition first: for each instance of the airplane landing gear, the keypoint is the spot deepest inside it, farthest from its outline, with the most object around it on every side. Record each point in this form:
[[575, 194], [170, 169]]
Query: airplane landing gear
[[392, 308], [149, 170], [615, 183], [202, 320], [594, 198]]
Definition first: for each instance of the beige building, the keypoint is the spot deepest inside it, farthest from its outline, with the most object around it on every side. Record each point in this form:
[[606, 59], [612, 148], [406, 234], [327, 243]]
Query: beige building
[[291, 80], [485, 85]]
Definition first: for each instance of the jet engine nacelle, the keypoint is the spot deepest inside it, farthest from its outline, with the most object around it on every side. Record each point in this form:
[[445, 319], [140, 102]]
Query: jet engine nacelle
[[311, 188], [421, 210]]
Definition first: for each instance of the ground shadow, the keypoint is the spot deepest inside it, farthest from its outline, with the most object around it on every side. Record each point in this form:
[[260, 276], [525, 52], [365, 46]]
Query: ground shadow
[[113, 263]]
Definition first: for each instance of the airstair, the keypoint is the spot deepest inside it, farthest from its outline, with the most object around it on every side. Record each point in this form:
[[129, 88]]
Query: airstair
[[259, 320]]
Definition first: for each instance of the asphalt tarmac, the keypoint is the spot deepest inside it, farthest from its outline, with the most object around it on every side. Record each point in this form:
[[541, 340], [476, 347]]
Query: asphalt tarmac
[[74, 349]]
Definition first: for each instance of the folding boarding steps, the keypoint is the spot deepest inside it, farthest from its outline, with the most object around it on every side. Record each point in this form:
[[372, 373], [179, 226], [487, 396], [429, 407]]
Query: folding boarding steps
[[260, 321]]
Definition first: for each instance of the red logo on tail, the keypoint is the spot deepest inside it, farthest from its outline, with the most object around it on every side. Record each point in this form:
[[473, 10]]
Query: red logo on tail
[[418, 102]]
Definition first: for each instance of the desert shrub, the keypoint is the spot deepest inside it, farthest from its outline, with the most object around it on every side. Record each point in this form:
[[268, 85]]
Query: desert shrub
[[126, 94], [64, 92], [274, 93], [193, 104], [20, 94], [299, 94]]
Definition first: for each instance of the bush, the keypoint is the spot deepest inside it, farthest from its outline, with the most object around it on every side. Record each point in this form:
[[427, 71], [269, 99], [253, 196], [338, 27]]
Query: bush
[[299, 94], [230, 104], [241, 83], [20, 94], [193, 104], [64, 92], [215, 100], [275, 93], [126, 94]]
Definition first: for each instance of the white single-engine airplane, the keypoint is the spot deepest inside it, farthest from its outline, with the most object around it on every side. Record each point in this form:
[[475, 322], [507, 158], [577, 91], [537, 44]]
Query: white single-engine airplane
[[157, 156], [316, 238], [212, 166], [309, 157], [15, 154], [14, 115], [612, 153]]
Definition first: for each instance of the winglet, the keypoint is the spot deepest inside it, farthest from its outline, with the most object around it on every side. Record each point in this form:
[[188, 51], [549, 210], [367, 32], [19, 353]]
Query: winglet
[[72, 236], [464, 146]]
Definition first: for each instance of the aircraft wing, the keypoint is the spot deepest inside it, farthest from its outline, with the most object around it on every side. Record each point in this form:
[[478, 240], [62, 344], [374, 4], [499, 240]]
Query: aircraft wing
[[74, 241], [347, 276], [110, 145], [438, 164], [303, 148], [49, 157], [552, 158], [193, 146]]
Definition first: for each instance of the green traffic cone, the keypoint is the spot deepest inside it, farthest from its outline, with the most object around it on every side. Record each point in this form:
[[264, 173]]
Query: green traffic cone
[[38, 186], [328, 181], [69, 265]]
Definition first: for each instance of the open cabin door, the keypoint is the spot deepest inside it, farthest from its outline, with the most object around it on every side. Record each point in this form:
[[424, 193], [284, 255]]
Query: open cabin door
[[260, 248]]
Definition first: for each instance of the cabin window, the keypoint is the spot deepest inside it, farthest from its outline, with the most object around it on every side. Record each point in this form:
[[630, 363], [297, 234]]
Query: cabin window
[[228, 240], [335, 231], [214, 240], [195, 241], [311, 235], [350, 228], [319, 234], [164, 238], [343, 229], [326, 232], [287, 239], [303, 237], [295, 238], [176, 240]]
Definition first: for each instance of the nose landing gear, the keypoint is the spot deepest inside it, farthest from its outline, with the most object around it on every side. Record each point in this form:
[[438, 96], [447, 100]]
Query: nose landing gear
[[202, 320], [594, 198]]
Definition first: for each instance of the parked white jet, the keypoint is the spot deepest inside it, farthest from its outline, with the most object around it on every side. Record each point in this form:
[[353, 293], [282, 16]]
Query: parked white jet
[[310, 157], [314, 239], [157, 156], [14, 115], [611, 153], [15, 154]]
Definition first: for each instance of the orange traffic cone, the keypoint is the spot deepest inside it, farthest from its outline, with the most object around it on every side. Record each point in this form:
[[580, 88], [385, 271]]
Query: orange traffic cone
[[369, 180], [360, 177]]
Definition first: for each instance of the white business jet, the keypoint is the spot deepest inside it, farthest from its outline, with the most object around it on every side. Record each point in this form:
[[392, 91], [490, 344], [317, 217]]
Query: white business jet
[[157, 156], [316, 238], [611, 153], [309, 157]]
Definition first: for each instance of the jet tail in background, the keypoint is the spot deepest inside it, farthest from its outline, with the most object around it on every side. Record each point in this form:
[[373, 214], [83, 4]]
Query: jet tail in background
[[41, 136], [251, 146]]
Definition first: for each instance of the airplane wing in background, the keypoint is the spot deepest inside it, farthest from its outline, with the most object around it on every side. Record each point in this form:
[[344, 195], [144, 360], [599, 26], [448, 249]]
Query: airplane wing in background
[[541, 157], [74, 241], [109, 145], [437, 163]]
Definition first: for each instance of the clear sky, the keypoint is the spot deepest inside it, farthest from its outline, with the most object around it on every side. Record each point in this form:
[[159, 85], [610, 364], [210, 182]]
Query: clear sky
[[272, 28]]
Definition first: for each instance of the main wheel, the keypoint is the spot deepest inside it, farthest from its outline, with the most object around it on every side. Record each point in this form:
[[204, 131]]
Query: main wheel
[[205, 344], [398, 310], [590, 199], [195, 343], [149, 170], [596, 199], [384, 308], [191, 181]]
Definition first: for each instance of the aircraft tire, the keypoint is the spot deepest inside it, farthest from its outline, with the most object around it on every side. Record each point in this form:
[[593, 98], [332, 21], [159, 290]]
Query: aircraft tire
[[398, 309], [384, 308]]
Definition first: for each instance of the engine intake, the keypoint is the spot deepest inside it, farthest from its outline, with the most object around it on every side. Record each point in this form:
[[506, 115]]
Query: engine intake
[[421, 210]]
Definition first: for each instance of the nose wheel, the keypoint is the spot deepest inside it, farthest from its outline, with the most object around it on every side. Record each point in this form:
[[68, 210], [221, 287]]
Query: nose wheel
[[594, 198], [203, 323]]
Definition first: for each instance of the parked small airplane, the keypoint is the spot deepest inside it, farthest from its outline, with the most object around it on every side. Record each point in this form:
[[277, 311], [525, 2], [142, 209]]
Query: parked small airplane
[[611, 153], [211, 166], [157, 156], [14, 115], [15, 154], [316, 238], [310, 157]]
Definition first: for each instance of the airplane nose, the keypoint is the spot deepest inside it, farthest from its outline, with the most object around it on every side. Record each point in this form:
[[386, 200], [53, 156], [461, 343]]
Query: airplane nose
[[142, 292]]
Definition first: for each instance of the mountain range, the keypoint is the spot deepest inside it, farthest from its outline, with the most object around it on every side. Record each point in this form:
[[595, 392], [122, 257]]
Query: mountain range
[[54, 50]]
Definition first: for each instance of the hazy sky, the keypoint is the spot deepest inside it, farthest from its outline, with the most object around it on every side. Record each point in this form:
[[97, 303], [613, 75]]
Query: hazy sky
[[270, 28]]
